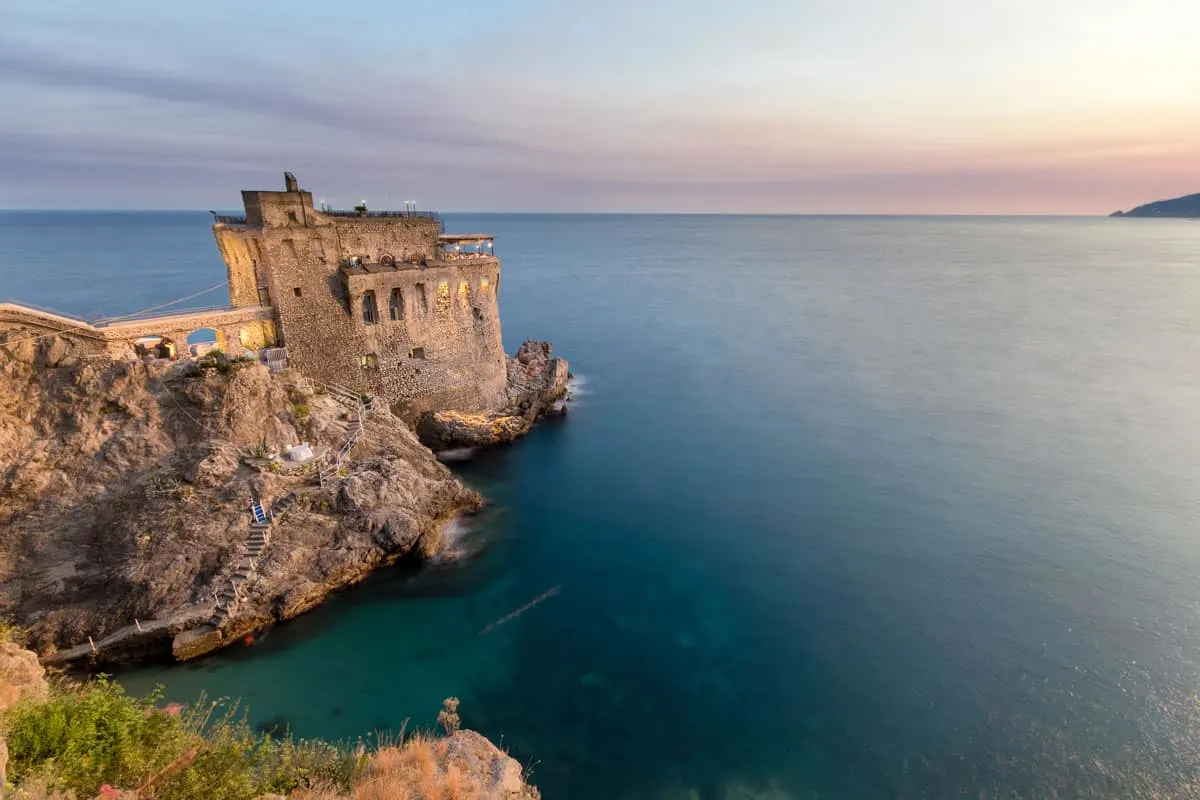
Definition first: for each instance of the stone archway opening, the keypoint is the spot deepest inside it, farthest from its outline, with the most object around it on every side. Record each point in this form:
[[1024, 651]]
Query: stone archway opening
[[155, 346], [205, 340]]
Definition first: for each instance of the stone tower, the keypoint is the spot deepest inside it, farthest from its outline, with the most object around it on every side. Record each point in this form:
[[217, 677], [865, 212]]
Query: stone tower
[[382, 302]]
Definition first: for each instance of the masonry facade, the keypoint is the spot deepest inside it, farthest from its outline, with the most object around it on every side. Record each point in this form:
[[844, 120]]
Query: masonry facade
[[381, 302]]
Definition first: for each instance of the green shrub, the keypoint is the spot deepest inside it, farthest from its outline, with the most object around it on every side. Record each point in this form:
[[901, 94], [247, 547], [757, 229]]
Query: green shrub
[[10, 632], [82, 738], [86, 736], [301, 410]]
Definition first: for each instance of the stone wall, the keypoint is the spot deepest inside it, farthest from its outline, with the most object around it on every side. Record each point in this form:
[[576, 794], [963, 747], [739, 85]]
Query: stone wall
[[251, 327], [445, 350], [239, 250]]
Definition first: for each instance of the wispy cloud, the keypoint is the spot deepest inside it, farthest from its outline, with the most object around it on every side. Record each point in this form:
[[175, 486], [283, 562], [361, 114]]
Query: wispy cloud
[[929, 105]]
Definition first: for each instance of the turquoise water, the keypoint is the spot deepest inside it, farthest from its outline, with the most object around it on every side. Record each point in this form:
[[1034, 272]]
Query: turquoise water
[[847, 508]]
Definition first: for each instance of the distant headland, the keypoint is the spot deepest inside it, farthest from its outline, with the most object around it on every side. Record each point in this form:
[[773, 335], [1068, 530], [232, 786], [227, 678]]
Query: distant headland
[[1186, 206]]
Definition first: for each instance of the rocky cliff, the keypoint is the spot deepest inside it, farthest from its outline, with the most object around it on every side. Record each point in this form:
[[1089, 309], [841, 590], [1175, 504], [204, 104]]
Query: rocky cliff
[[125, 492]]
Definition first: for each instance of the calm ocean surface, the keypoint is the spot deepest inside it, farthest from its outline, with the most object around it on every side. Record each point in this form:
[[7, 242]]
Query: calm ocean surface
[[847, 508]]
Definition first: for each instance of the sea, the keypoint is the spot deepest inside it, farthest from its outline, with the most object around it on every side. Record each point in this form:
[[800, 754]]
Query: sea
[[844, 507]]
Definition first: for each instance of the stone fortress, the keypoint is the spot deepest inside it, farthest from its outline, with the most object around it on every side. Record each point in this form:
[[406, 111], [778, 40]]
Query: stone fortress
[[383, 302]]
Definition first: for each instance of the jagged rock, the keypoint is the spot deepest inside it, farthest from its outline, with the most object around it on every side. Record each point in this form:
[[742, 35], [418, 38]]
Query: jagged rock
[[215, 468], [534, 376], [490, 773], [442, 430], [125, 488], [537, 383]]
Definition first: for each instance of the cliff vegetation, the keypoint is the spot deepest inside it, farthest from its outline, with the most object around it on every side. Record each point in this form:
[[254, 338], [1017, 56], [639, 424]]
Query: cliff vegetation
[[70, 740]]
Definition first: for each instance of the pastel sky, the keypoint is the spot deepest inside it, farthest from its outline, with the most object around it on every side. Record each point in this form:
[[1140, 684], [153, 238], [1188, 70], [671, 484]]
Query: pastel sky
[[1060, 106]]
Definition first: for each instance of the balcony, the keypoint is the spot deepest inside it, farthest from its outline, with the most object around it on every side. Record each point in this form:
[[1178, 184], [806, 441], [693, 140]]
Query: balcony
[[465, 246]]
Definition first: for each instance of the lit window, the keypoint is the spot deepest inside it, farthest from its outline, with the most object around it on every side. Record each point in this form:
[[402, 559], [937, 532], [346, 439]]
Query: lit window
[[368, 361]]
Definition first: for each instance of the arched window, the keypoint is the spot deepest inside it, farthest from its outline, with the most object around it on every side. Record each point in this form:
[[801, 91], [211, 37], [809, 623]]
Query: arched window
[[387, 260], [370, 311], [396, 306]]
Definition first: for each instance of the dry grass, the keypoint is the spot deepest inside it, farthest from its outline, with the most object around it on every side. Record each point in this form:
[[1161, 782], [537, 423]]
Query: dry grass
[[412, 772]]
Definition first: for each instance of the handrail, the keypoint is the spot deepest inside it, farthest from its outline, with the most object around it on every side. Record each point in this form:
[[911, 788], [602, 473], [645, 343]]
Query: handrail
[[104, 322], [229, 219], [361, 409]]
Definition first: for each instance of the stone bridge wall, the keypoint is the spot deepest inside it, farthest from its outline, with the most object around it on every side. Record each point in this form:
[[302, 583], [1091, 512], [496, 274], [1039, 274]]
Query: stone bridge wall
[[237, 329]]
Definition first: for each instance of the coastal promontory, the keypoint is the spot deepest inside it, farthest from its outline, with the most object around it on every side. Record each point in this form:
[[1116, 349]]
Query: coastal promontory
[[1187, 206], [152, 503]]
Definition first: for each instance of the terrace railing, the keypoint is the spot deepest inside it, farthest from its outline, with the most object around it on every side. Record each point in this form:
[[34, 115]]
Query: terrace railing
[[356, 213]]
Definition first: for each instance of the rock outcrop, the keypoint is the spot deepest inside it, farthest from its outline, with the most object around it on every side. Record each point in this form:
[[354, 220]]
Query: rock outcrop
[[125, 489], [537, 387], [492, 774], [21, 676], [464, 764]]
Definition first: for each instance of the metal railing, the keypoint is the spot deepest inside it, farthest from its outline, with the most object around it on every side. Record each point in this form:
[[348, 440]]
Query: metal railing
[[276, 358], [356, 213], [333, 472], [104, 322], [229, 220]]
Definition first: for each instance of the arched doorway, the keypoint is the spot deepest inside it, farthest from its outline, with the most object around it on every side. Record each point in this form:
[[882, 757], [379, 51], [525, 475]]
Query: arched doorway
[[205, 340]]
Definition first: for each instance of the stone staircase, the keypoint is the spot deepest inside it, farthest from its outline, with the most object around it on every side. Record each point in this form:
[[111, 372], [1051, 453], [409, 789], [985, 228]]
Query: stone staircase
[[256, 542]]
